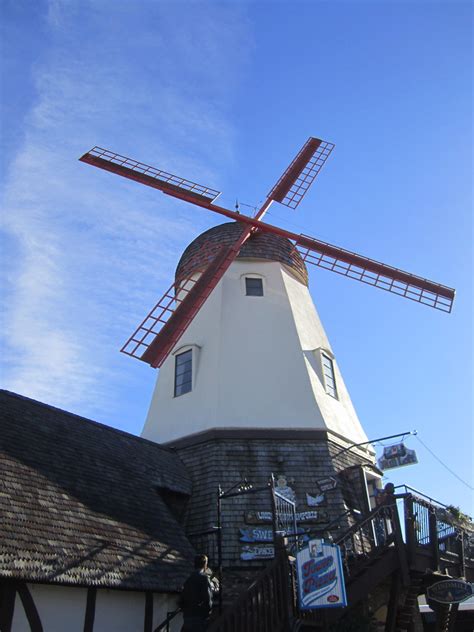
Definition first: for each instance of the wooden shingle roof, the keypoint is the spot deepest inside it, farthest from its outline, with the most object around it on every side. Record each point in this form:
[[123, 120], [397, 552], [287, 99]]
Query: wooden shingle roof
[[80, 502], [261, 245]]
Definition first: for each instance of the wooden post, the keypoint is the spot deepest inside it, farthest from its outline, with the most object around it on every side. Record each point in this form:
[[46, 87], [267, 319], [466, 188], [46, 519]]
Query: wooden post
[[392, 610], [410, 527], [462, 556], [397, 533], [453, 611], [219, 544], [274, 512], [434, 543]]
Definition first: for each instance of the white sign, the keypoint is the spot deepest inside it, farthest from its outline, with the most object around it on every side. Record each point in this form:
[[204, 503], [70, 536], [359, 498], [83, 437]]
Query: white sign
[[258, 517], [314, 501], [327, 484], [397, 455], [320, 576]]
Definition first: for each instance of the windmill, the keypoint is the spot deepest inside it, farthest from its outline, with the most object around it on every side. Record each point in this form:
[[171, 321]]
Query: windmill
[[248, 383], [158, 333]]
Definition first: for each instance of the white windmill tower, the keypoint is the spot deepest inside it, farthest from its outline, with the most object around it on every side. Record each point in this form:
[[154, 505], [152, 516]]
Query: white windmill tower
[[237, 336], [256, 354], [248, 382]]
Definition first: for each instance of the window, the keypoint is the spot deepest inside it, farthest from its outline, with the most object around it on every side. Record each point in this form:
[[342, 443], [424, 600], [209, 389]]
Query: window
[[183, 373], [329, 378], [253, 286]]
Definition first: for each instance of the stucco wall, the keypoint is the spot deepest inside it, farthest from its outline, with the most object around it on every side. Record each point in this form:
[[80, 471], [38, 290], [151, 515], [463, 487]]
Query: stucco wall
[[255, 363], [62, 609]]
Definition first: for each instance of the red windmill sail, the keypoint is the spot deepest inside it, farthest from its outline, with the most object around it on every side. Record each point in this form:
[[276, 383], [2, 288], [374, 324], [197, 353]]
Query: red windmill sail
[[159, 332]]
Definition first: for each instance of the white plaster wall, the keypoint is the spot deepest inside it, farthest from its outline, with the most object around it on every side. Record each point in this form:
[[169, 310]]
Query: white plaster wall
[[62, 609], [339, 414], [253, 368]]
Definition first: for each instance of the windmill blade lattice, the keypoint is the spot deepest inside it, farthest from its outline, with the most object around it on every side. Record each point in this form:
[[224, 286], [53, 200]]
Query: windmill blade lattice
[[300, 175], [145, 174], [155, 337], [159, 332], [377, 274]]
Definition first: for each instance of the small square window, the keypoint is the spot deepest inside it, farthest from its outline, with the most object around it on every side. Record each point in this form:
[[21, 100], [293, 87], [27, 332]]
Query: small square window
[[183, 373], [253, 287]]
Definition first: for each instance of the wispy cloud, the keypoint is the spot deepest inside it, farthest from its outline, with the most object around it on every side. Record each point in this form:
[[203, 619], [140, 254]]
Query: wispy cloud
[[87, 252]]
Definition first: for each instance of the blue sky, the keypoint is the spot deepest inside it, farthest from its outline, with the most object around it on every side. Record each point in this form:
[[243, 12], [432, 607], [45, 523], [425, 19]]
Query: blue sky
[[225, 93]]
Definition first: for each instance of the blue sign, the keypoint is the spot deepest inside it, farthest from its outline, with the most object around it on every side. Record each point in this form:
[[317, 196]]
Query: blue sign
[[320, 576], [257, 534], [265, 534]]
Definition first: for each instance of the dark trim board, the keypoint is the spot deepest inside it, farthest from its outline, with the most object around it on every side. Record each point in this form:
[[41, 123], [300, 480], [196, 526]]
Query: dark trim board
[[247, 433], [30, 608], [296, 434], [90, 610], [148, 623], [7, 605]]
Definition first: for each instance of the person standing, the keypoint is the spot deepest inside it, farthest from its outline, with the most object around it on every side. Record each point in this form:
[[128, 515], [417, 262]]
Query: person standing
[[196, 598]]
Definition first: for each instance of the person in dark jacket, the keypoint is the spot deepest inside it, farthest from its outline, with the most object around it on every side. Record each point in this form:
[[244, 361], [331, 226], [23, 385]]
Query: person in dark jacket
[[196, 598]]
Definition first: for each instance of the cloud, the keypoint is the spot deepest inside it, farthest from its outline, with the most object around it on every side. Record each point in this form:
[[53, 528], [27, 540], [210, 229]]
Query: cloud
[[88, 252]]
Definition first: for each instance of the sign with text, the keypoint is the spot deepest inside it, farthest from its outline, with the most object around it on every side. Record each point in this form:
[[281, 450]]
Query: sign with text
[[320, 576], [449, 591], [264, 534], [327, 484], [257, 552], [397, 456], [263, 517]]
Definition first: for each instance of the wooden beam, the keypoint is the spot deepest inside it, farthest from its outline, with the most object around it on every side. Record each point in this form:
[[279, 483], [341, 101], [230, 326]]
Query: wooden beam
[[90, 609], [148, 623], [394, 599], [30, 608], [7, 605]]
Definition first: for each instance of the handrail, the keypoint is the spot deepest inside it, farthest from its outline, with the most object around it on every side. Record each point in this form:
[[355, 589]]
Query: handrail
[[412, 489], [358, 525], [169, 617], [265, 601]]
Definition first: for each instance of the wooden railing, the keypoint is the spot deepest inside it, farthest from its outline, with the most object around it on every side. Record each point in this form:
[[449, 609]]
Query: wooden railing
[[435, 538], [164, 626], [267, 603]]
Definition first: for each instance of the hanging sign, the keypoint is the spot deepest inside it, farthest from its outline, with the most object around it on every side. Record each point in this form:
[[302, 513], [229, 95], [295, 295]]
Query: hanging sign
[[397, 455], [315, 501], [264, 534], [449, 591], [257, 552], [256, 534], [265, 517], [320, 576], [327, 484]]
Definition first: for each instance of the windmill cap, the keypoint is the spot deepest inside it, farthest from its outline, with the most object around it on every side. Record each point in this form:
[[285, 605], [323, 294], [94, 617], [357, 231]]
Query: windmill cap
[[261, 245]]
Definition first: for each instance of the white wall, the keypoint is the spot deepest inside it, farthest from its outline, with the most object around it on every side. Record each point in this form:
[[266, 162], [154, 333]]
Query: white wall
[[62, 609], [257, 364]]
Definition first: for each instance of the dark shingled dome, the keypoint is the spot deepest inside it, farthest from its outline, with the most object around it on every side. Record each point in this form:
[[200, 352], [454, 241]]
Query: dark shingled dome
[[259, 246]]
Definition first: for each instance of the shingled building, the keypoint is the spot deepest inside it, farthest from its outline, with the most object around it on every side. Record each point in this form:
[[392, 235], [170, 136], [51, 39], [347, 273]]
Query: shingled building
[[90, 528]]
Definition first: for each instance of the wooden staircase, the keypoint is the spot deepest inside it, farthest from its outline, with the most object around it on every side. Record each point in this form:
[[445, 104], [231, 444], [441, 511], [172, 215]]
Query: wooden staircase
[[408, 607], [376, 558]]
